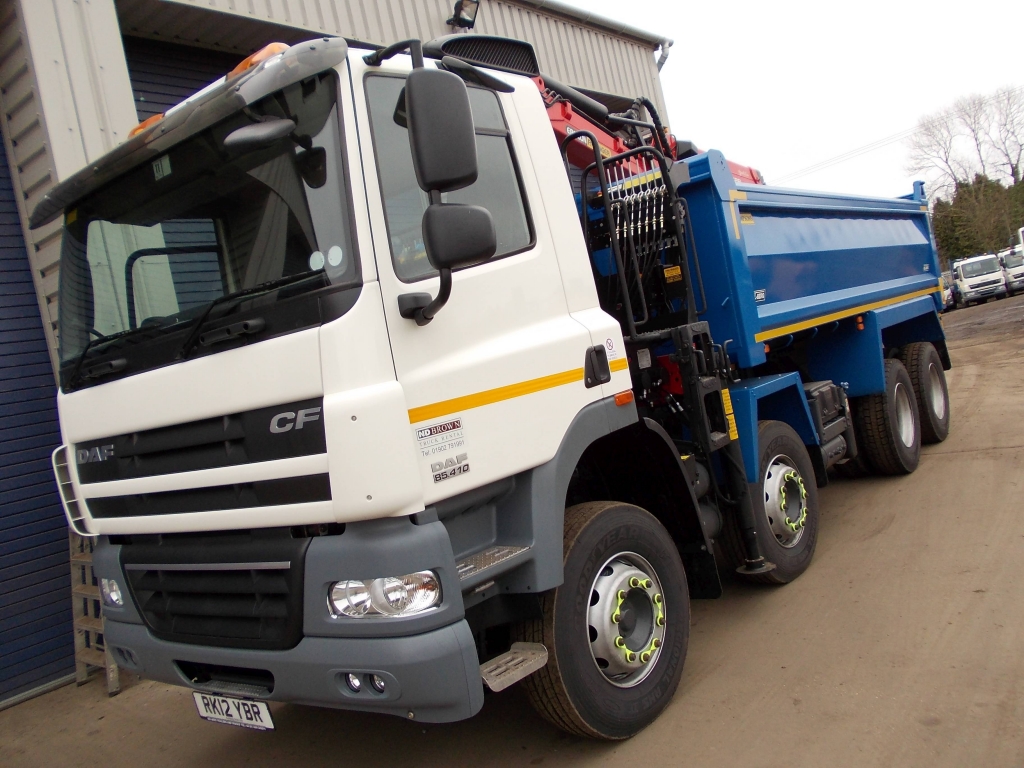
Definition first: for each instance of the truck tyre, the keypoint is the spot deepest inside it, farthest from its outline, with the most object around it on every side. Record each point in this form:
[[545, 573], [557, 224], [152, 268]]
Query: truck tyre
[[889, 424], [924, 367], [785, 506], [617, 628]]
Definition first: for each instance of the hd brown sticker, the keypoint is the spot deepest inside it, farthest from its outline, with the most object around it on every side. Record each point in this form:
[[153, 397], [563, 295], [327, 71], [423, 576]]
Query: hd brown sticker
[[444, 445]]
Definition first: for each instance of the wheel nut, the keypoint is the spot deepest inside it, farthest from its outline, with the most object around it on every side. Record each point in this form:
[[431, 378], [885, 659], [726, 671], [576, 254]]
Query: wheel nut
[[647, 584], [619, 642], [657, 599], [622, 594], [630, 657], [634, 582], [645, 656], [656, 642], [616, 618], [661, 621]]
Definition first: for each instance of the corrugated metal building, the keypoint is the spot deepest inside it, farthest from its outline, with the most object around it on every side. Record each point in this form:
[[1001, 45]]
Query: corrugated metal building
[[75, 77]]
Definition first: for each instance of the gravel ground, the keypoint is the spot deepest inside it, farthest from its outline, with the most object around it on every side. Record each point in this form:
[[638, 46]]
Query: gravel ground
[[900, 646]]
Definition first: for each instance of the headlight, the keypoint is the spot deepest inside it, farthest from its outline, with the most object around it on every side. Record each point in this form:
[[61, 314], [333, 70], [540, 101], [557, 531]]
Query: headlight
[[111, 592], [390, 596]]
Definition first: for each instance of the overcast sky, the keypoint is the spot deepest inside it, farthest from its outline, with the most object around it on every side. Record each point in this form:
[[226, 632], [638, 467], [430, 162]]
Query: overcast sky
[[785, 84]]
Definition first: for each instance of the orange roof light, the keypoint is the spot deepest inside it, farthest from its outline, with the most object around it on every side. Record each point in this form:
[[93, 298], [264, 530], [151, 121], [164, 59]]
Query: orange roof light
[[145, 124], [264, 53]]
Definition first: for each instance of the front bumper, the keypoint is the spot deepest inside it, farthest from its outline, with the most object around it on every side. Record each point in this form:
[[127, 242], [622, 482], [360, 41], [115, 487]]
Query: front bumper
[[432, 677], [428, 661], [985, 293]]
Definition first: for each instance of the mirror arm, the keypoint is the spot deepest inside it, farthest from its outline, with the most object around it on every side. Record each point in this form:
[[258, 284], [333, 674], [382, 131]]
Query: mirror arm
[[415, 48], [426, 314]]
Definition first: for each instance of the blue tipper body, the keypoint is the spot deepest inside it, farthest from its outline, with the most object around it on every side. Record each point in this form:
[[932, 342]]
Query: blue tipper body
[[850, 273]]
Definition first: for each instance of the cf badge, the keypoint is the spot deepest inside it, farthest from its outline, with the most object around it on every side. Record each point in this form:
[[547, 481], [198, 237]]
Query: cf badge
[[285, 422]]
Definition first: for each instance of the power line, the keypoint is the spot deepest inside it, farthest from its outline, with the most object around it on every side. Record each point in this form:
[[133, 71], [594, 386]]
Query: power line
[[867, 148]]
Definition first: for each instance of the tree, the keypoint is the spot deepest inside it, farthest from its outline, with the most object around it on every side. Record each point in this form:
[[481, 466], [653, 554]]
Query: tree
[[982, 217], [976, 135], [972, 154]]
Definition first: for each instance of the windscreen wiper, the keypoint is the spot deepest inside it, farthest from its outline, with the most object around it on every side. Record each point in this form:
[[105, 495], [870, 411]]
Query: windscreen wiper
[[270, 285], [112, 366]]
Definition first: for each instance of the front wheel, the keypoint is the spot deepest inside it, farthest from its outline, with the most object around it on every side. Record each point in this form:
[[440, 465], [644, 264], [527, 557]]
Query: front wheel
[[617, 628]]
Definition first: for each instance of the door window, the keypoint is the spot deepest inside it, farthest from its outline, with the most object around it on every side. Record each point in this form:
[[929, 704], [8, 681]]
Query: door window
[[497, 187]]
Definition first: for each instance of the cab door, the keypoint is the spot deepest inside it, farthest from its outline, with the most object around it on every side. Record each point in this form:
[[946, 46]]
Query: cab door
[[495, 379]]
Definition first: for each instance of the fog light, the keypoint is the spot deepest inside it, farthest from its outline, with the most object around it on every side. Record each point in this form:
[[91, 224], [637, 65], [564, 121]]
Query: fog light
[[353, 682], [378, 683], [391, 596], [111, 592]]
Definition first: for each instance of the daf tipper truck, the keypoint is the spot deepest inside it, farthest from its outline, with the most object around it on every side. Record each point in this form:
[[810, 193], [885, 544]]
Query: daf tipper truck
[[370, 404]]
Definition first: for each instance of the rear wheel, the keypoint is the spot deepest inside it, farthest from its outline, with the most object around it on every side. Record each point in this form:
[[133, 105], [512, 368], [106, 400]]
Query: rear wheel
[[889, 424], [785, 506], [617, 628], [924, 367]]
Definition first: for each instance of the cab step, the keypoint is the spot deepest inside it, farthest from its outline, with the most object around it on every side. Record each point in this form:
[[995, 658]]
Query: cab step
[[521, 660]]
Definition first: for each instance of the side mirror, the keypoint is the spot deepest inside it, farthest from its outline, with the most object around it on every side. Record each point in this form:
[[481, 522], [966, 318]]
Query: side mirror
[[442, 139], [457, 236], [441, 133], [258, 135]]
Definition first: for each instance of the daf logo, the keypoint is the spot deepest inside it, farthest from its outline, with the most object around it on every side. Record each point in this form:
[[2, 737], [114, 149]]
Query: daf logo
[[90, 455], [285, 422]]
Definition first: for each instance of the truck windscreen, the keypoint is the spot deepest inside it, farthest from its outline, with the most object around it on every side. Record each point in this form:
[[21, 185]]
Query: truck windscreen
[[144, 258], [979, 268], [1014, 260]]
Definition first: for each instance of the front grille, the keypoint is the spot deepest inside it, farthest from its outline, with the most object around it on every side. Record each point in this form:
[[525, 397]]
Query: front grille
[[245, 591], [223, 441], [987, 283], [262, 493], [499, 52]]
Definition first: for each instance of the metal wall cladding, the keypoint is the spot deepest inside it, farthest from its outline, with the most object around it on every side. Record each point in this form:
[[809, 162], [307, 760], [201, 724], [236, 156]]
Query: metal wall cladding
[[36, 637], [570, 50]]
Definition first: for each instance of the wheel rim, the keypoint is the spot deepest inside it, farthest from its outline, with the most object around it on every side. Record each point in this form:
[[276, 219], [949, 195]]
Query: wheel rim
[[785, 500], [904, 416], [626, 620], [938, 394]]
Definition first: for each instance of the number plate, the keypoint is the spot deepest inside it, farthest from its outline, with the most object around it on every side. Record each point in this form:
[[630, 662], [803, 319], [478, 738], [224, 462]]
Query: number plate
[[244, 713]]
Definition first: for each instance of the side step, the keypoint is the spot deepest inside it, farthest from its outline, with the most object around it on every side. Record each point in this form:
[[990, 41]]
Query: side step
[[522, 660]]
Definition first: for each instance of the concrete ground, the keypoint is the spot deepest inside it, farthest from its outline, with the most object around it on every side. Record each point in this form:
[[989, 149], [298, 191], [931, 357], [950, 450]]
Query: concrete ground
[[902, 645]]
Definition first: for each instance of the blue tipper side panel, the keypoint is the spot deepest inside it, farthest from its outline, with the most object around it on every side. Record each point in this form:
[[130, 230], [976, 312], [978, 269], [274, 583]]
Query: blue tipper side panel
[[36, 635], [774, 262]]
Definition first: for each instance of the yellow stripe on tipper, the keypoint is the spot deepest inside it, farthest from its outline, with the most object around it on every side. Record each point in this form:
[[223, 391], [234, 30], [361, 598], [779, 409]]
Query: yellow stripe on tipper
[[734, 196], [496, 395], [774, 333], [619, 365]]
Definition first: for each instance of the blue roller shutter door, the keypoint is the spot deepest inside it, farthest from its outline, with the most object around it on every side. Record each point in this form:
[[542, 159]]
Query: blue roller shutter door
[[36, 634]]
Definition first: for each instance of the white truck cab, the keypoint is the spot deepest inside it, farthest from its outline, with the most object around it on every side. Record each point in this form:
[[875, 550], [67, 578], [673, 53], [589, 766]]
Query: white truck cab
[[303, 503], [977, 279], [1012, 260]]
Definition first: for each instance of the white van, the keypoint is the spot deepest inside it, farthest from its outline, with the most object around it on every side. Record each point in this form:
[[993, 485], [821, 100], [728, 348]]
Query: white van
[[1012, 260], [977, 279]]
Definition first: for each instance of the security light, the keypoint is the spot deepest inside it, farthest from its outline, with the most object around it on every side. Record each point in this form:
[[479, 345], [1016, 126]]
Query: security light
[[464, 14]]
